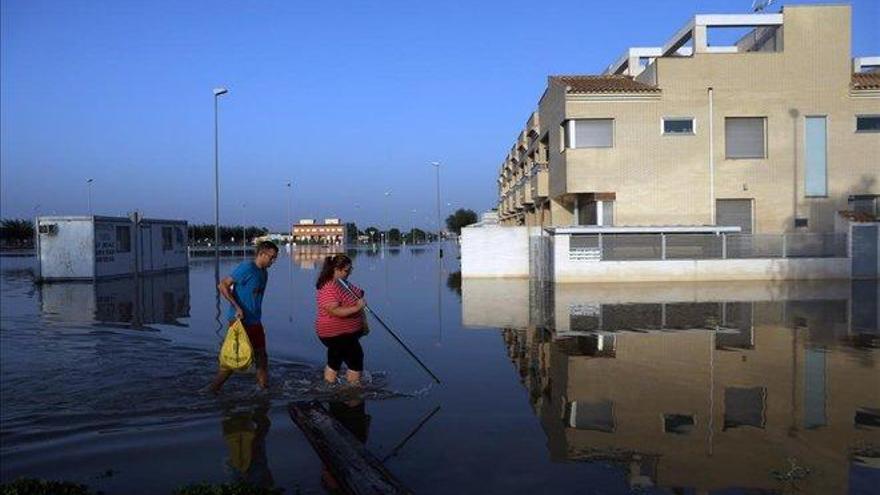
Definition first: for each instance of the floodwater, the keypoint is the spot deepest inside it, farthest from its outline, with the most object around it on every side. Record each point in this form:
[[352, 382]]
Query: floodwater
[[657, 388]]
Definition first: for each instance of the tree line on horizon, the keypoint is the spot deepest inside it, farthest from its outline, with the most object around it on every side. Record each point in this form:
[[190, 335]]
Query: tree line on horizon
[[19, 233]]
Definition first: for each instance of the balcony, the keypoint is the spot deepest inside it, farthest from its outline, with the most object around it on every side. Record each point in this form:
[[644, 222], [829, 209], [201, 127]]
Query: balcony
[[526, 192], [532, 126], [539, 184]]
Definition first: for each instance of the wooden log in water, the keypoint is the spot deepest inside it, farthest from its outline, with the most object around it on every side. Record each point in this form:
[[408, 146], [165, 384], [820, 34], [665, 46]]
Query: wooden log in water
[[356, 470]]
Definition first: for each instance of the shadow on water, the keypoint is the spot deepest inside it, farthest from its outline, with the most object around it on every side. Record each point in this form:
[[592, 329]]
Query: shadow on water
[[700, 387]]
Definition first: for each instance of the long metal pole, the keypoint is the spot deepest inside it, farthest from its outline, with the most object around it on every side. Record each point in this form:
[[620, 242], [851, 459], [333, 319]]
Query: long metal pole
[[289, 227], [439, 228], [89, 182], [216, 190], [391, 332]]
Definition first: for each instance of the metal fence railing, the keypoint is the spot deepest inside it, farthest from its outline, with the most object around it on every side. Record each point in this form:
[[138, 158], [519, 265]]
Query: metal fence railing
[[631, 247]]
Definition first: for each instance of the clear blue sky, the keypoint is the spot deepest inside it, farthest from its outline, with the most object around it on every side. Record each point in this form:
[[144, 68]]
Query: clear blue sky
[[348, 99]]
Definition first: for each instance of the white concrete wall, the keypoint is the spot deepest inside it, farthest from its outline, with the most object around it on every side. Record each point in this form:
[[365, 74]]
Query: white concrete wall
[[70, 253], [494, 251], [702, 270]]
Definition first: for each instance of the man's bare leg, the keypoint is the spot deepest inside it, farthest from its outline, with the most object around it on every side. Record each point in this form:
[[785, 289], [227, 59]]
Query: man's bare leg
[[222, 375], [262, 369]]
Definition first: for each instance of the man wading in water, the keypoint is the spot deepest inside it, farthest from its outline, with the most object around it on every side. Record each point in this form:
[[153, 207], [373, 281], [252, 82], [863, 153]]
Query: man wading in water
[[244, 290]]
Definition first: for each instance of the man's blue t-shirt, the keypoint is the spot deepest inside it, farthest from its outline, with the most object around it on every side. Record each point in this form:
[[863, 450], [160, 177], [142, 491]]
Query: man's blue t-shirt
[[249, 284]]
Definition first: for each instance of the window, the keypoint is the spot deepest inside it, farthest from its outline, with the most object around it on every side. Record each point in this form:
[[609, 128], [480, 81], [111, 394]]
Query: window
[[584, 415], [745, 137], [678, 125], [745, 407], [589, 133], [815, 183], [167, 239], [867, 123], [678, 424], [178, 234], [123, 239]]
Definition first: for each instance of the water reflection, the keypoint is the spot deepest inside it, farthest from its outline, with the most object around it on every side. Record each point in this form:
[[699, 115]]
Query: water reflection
[[312, 257], [698, 388], [136, 301], [244, 434], [352, 415]]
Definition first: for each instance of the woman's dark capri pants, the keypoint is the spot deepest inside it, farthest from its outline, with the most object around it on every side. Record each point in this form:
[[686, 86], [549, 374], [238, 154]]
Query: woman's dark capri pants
[[345, 348]]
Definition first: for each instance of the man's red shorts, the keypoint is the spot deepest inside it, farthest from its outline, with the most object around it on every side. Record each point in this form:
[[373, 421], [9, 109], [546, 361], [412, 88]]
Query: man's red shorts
[[257, 336]]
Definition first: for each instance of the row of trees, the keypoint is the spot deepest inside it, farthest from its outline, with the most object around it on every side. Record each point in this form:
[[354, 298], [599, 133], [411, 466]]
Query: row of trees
[[203, 234], [19, 233], [454, 223], [16, 233]]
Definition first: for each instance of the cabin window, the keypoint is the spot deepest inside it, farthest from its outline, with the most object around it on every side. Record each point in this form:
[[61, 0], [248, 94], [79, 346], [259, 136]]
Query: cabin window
[[167, 239], [123, 239]]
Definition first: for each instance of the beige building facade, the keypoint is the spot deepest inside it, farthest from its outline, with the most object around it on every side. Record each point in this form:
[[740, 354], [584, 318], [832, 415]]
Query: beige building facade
[[309, 231], [775, 133]]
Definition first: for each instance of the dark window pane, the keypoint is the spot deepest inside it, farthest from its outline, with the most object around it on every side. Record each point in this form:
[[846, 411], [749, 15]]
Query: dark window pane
[[868, 123], [744, 407], [678, 424], [678, 126]]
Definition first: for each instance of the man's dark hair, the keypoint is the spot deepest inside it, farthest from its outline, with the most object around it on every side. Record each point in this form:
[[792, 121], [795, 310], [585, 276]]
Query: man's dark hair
[[266, 246]]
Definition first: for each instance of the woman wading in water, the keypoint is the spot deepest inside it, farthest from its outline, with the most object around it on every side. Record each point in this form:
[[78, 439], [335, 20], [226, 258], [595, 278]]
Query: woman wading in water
[[340, 321]]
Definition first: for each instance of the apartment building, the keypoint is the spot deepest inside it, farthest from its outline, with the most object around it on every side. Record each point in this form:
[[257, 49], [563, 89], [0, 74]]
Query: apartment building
[[775, 130]]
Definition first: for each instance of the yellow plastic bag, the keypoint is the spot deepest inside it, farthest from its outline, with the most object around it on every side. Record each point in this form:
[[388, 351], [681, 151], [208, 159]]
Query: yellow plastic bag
[[236, 352]]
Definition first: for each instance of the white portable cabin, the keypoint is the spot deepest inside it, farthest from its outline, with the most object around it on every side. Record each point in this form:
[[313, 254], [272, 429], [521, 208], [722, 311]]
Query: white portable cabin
[[92, 247]]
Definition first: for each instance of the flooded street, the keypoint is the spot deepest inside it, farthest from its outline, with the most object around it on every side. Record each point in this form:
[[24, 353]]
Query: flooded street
[[657, 388]]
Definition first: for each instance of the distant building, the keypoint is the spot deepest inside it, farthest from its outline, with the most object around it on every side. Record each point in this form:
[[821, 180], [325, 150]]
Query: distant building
[[773, 133], [309, 231]]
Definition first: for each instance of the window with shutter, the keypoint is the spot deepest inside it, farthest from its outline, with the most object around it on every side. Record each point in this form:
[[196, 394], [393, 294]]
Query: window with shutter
[[745, 137], [593, 133]]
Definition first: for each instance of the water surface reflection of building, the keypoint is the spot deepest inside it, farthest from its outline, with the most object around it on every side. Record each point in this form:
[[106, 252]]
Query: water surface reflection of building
[[693, 388], [137, 301], [310, 257]]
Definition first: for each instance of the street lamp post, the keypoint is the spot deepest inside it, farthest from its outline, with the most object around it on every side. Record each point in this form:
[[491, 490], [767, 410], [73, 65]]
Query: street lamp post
[[289, 206], [412, 232], [387, 221], [218, 92], [437, 168], [243, 231], [89, 186]]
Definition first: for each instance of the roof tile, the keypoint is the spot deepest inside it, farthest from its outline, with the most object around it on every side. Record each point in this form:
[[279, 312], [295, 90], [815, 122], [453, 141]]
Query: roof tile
[[616, 83], [866, 80]]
